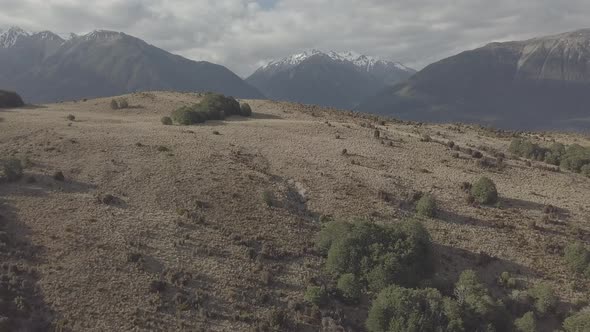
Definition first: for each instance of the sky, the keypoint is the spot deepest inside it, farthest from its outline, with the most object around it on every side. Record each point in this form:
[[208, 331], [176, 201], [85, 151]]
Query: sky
[[245, 34]]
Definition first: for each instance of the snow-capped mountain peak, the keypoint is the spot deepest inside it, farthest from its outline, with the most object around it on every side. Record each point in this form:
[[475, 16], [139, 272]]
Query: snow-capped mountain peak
[[363, 62], [11, 36], [103, 35]]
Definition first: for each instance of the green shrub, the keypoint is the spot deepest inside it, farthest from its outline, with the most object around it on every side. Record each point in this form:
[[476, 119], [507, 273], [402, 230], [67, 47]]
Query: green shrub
[[166, 120], [426, 206], [218, 103], [526, 323], [545, 298], [245, 110], [575, 157], [402, 309], [268, 198], [123, 103], [188, 115], [577, 257], [527, 149], [70, 117], [480, 308], [316, 295], [585, 170], [114, 104], [484, 191], [13, 169], [579, 322], [377, 255], [349, 287]]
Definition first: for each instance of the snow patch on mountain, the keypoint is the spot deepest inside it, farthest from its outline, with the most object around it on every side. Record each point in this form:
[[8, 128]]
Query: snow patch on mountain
[[11, 36], [363, 62]]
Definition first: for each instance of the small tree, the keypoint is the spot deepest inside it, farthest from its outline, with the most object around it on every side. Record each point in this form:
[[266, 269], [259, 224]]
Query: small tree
[[426, 206], [485, 191], [349, 287], [246, 110], [114, 104], [166, 120], [526, 323]]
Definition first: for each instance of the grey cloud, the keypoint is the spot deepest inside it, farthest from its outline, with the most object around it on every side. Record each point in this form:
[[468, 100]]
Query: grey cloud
[[242, 34]]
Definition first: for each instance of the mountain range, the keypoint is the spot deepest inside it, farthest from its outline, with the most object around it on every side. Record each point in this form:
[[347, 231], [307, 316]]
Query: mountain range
[[43, 67], [540, 83], [340, 80]]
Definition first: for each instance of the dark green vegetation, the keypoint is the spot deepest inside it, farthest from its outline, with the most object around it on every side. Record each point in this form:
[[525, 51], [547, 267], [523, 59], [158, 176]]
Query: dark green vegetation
[[12, 169], [426, 206], [377, 256], [212, 107], [575, 157], [394, 266], [166, 120], [10, 99], [484, 191], [578, 322], [577, 257]]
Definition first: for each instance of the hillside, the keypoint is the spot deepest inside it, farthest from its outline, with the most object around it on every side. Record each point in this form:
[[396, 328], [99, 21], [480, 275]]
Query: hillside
[[43, 67], [124, 223], [541, 83], [330, 79]]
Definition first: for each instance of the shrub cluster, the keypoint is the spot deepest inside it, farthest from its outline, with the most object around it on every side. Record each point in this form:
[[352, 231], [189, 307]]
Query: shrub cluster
[[119, 104], [377, 256], [212, 107], [575, 157], [578, 322], [10, 99]]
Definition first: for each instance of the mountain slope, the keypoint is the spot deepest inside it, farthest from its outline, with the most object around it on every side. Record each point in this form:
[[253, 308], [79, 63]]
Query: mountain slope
[[43, 67], [339, 80], [542, 83]]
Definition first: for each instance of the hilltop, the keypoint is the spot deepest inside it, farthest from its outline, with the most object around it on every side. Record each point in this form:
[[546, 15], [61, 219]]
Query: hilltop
[[125, 223]]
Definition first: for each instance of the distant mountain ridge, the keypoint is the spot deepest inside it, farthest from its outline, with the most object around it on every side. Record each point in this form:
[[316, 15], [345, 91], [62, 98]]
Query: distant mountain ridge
[[44, 67], [333, 79], [540, 83]]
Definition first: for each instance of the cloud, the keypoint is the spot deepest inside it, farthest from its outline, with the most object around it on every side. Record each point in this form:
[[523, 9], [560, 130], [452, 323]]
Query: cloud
[[243, 34]]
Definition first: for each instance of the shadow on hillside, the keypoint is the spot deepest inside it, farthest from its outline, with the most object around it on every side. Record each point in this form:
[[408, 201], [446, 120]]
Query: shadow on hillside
[[521, 204], [23, 305], [455, 218], [41, 185], [453, 261]]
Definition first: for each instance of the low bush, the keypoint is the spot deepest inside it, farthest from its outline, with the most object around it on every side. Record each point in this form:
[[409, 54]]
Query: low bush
[[575, 158], [579, 322], [114, 104], [426, 206], [545, 298], [484, 191], [245, 109], [71, 117], [211, 107], [166, 120], [577, 257], [123, 103], [13, 169]]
